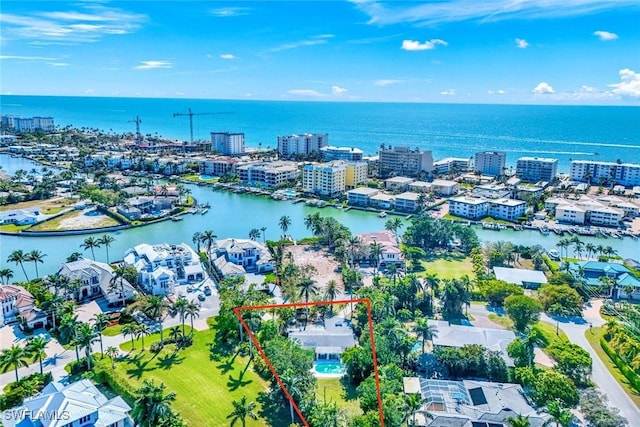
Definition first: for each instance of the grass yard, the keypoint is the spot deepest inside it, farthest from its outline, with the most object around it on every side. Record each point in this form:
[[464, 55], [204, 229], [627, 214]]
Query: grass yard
[[593, 336], [504, 321], [46, 206], [447, 266], [548, 331], [12, 228], [112, 331], [204, 388], [339, 391]]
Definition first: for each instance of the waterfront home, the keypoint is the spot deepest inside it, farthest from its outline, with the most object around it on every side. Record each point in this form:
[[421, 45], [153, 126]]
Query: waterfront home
[[480, 207], [398, 183], [162, 266], [20, 216], [96, 279], [360, 196], [76, 404], [444, 187], [407, 201], [382, 201], [529, 279], [618, 280], [19, 305], [390, 252], [590, 210], [470, 403], [239, 256], [329, 340]]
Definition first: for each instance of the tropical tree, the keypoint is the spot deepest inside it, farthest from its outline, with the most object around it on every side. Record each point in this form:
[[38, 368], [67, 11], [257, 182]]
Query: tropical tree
[[180, 308], [254, 234], [293, 385], [174, 333], [264, 238], [100, 322], [14, 357], [75, 256], [129, 329], [155, 306], [152, 406], [375, 252], [192, 310], [197, 239], [308, 288], [394, 225], [112, 353], [6, 274], [413, 402], [116, 283], [106, 240], [518, 421], [560, 414], [36, 257], [141, 330], [18, 257], [284, 223], [242, 409], [425, 331], [91, 243], [35, 347], [332, 291], [523, 310], [208, 238], [85, 336]]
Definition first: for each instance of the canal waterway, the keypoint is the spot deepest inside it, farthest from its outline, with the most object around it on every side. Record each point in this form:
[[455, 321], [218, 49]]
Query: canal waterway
[[233, 215]]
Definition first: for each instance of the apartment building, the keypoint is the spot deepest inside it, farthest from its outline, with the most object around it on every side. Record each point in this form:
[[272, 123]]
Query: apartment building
[[627, 174], [326, 179], [451, 165], [490, 162], [218, 166], [268, 174], [536, 169], [361, 196], [357, 173], [28, 124], [330, 153], [480, 207], [407, 201], [403, 161], [305, 144], [227, 143], [398, 183], [589, 210]]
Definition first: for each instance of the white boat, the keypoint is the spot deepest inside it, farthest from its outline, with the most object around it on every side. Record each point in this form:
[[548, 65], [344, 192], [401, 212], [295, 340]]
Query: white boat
[[382, 214], [553, 254]]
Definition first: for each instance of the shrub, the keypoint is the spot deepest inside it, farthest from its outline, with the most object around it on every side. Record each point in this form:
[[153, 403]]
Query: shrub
[[156, 347], [16, 392]]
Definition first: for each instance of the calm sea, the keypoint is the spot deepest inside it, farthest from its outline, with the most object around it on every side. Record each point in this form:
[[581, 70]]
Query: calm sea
[[563, 132]]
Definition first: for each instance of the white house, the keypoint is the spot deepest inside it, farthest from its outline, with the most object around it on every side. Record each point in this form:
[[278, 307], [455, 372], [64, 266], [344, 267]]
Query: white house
[[161, 267], [20, 216], [96, 279], [78, 404], [18, 304], [238, 256], [390, 251]]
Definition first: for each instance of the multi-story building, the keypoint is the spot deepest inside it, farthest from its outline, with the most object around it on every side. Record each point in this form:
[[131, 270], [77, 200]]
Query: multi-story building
[[16, 303], [268, 174], [326, 179], [95, 279], [244, 255], [403, 161], [218, 166], [356, 174], [490, 162], [627, 174], [305, 144], [451, 165], [398, 183], [349, 154], [390, 252], [596, 211], [535, 169], [444, 187], [161, 267], [361, 196], [407, 201], [227, 143], [479, 207], [29, 124]]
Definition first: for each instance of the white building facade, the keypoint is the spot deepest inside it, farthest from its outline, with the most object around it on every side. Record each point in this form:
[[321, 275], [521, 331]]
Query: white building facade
[[305, 144], [627, 174], [326, 179], [490, 162], [535, 169], [227, 143]]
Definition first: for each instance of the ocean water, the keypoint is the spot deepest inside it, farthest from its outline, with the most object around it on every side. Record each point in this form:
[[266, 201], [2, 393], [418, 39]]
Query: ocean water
[[563, 132]]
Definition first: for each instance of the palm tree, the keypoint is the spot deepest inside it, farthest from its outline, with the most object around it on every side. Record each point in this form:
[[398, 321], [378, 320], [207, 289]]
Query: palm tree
[[425, 331], [106, 240], [75, 256], [332, 291], [291, 383], [112, 352], [174, 333], [254, 234], [284, 223], [532, 337], [14, 356], [414, 401], [180, 308], [241, 411], [85, 336], [591, 249], [518, 421], [394, 225], [307, 287], [155, 307], [18, 257], [100, 322], [208, 237], [152, 405], [141, 330], [192, 310], [375, 251], [264, 238], [91, 243], [6, 274], [117, 282], [129, 329], [197, 239], [36, 257], [35, 346]]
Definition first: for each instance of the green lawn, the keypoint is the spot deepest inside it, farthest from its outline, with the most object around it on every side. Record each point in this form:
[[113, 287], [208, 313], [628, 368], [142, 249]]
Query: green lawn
[[333, 390], [549, 331], [593, 336], [112, 331], [501, 320], [12, 228], [447, 266], [204, 387]]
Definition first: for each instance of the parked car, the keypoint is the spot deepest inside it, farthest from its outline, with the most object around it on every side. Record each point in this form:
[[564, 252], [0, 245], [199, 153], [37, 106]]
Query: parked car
[[189, 288], [207, 290], [201, 297]]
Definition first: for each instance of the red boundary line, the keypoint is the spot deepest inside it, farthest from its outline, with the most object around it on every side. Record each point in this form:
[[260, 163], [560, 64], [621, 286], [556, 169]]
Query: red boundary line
[[366, 301]]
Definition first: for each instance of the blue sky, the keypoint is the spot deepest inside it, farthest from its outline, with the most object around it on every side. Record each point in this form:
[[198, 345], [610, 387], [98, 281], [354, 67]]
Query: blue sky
[[474, 51]]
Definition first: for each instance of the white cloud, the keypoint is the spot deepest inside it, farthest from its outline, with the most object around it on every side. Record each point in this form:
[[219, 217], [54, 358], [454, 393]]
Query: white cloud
[[387, 82], [501, 92], [629, 87], [306, 92], [522, 43], [427, 45], [58, 64], [543, 87], [311, 41], [151, 65], [338, 91], [89, 25], [228, 12], [227, 56], [449, 92], [605, 35], [26, 58], [496, 92], [428, 13]]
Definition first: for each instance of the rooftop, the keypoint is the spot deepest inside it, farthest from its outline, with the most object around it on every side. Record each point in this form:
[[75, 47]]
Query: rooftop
[[519, 275]]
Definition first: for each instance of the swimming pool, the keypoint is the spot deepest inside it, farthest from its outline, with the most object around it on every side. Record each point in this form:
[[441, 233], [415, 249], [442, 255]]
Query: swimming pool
[[207, 177], [329, 368], [289, 192]]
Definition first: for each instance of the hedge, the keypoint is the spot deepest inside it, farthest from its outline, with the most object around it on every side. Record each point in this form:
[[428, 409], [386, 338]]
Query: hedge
[[124, 389], [634, 379]]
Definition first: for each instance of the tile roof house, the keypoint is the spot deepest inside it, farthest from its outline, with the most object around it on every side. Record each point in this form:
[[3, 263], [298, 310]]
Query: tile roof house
[[18, 304], [96, 279], [590, 273], [77, 404], [240, 256], [391, 253]]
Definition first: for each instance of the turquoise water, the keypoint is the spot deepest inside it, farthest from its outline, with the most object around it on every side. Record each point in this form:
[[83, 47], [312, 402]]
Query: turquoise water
[[207, 177], [329, 368], [289, 192], [458, 130]]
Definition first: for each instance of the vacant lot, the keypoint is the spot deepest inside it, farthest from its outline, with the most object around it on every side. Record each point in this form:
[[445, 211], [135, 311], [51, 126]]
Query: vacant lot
[[77, 220], [47, 207], [447, 265], [324, 263]]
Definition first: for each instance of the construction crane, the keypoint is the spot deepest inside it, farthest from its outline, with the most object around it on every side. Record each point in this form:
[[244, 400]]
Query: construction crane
[[191, 114], [137, 121]]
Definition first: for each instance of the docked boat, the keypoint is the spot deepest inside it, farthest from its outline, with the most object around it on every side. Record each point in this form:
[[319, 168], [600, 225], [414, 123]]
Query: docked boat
[[553, 254], [176, 218], [544, 230], [204, 211], [382, 214]]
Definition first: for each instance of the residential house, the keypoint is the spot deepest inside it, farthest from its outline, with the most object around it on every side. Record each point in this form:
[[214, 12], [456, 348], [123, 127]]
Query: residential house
[[20, 216], [328, 341], [239, 256], [620, 281], [390, 251], [361, 196], [79, 404], [96, 279], [529, 279], [19, 305], [407, 201]]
